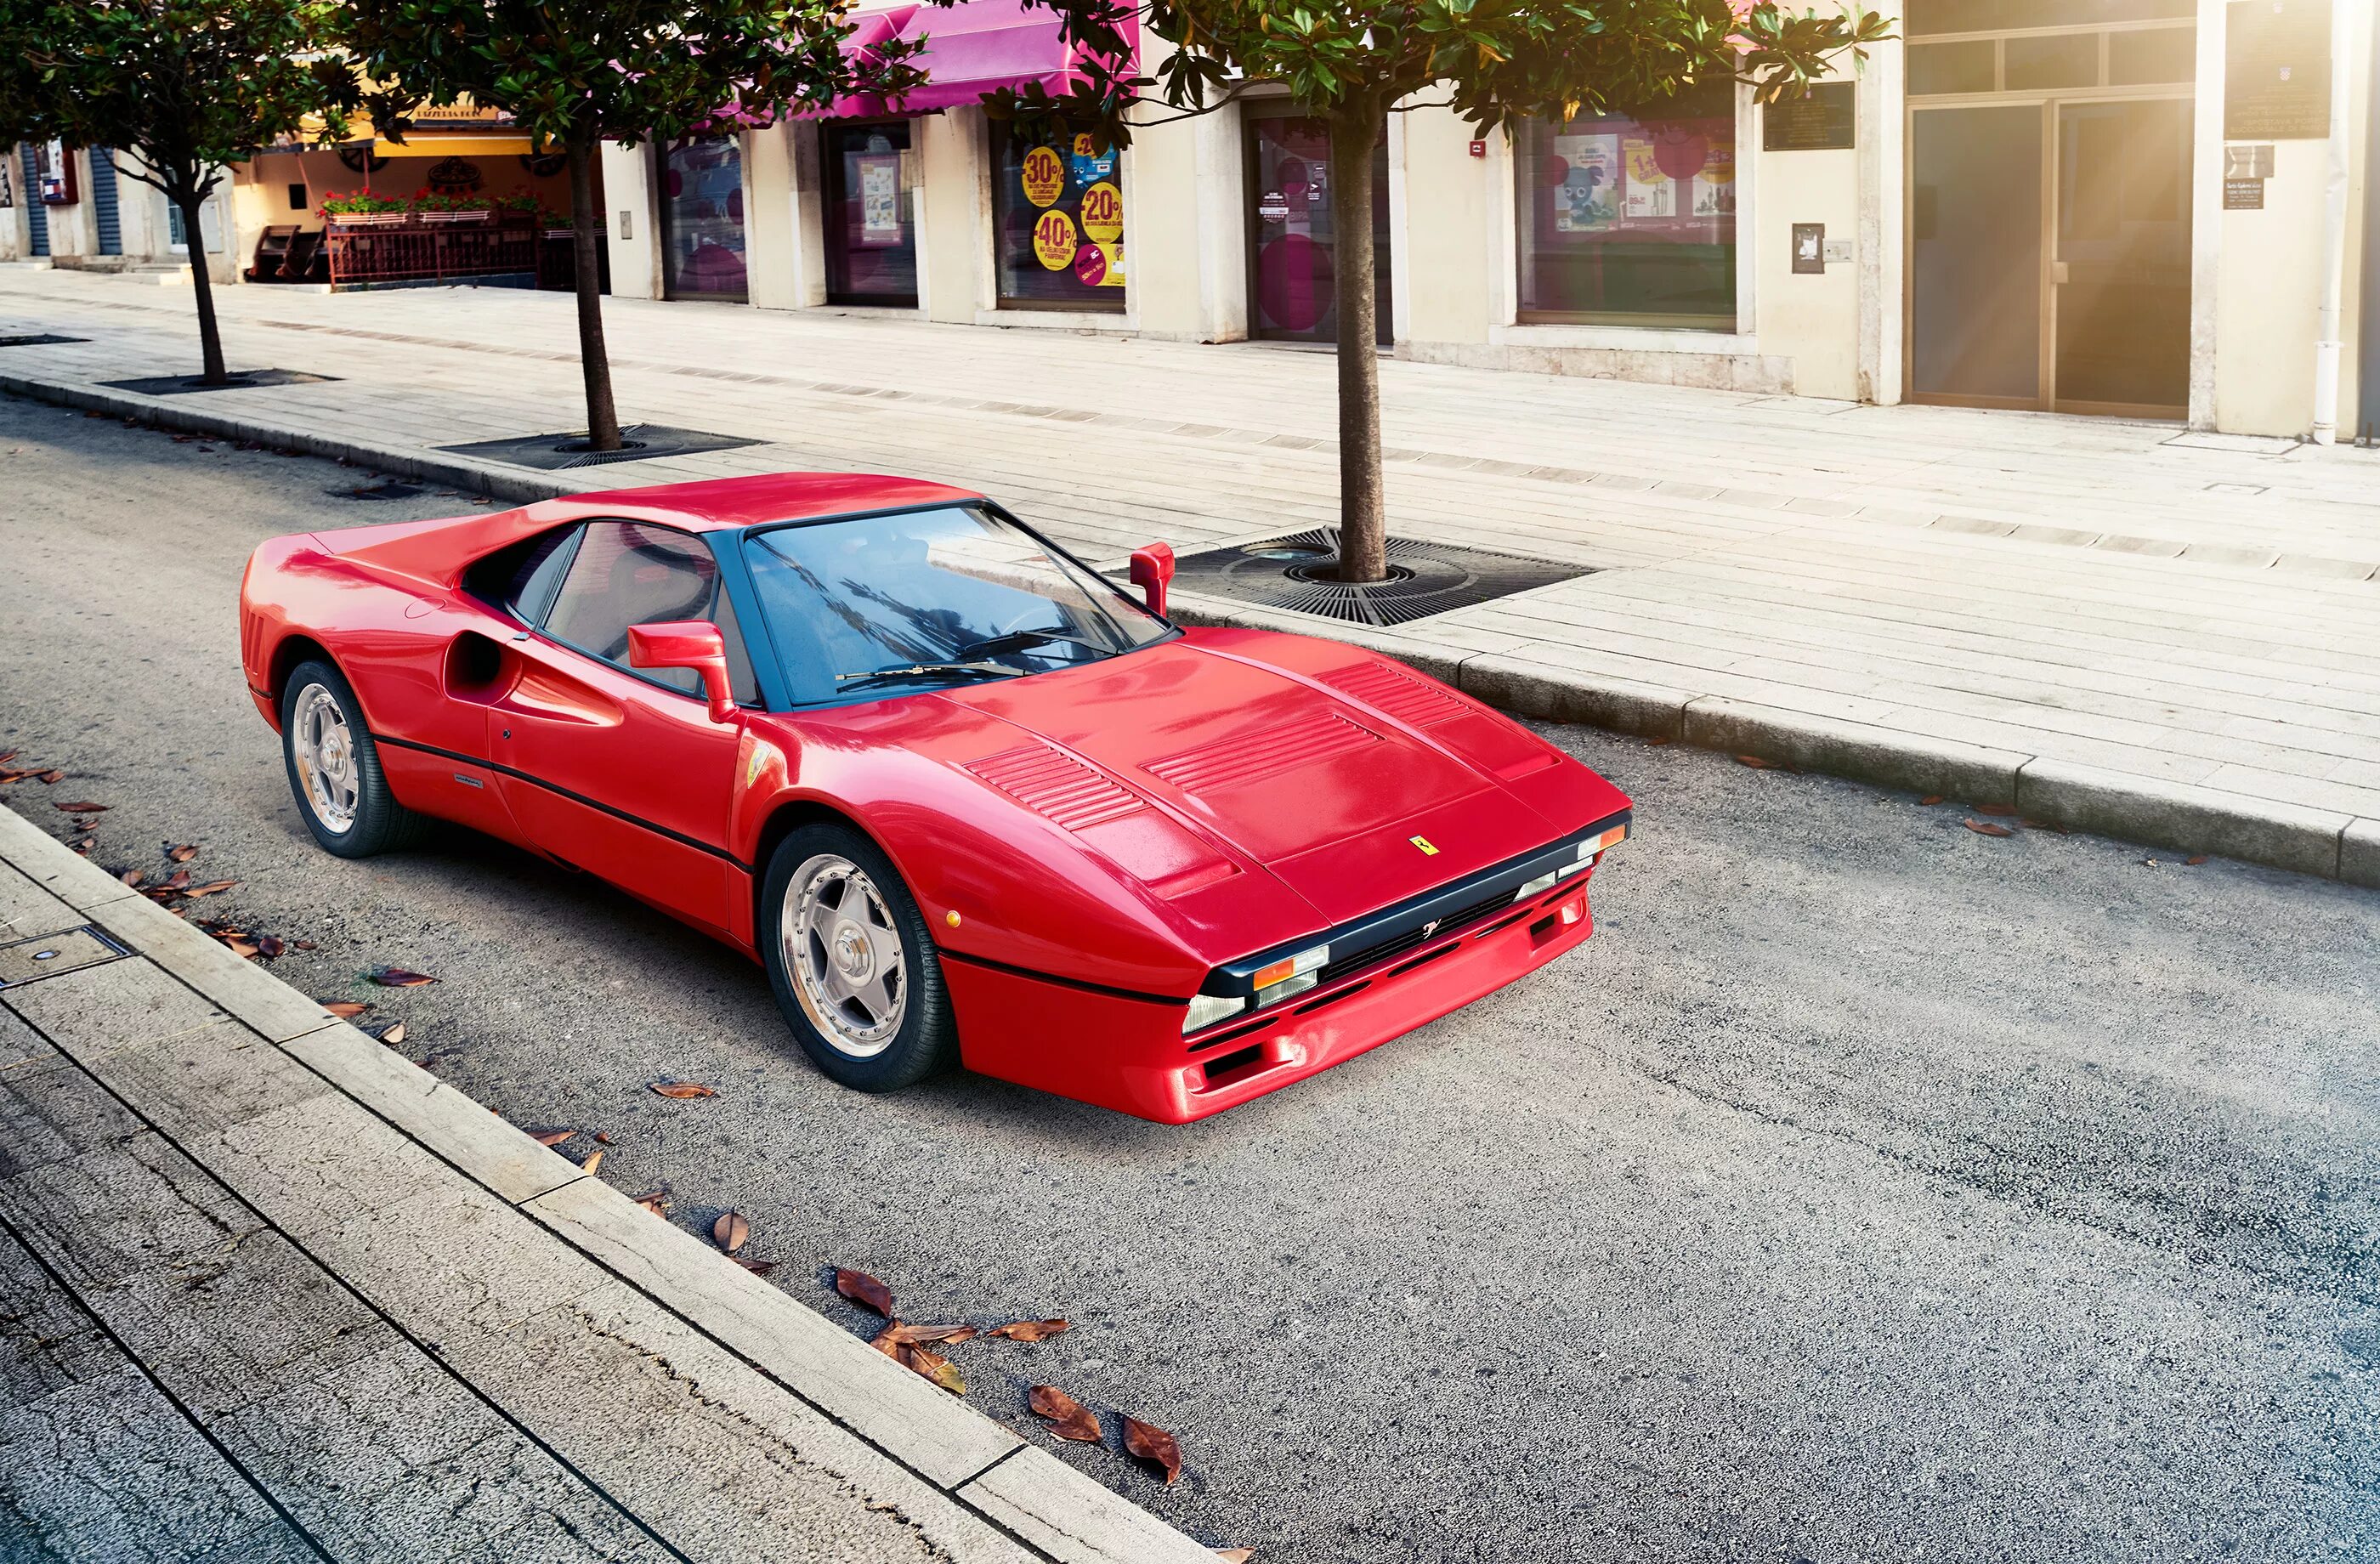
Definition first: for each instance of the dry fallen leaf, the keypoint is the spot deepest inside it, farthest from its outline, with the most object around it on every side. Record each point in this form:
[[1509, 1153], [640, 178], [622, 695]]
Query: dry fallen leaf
[[2194, 860], [1986, 828], [936, 1367], [1235, 1555], [594, 1161], [730, 1230], [272, 946], [2002, 810], [1658, 743], [1929, 800], [758, 1267], [603, 1137], [682, 1090], [46, 778], [657, 1203], [551, 1137], [1028, 1329], [345, 1010], [393, 977], [1069, 1419], [82, 808], [389, 1036], [888, 1340], [1755, 762], [1155, 1446], [208, 888], [237, 946], [180, 851], [911, 1335], [131, 877], [861, 1288]]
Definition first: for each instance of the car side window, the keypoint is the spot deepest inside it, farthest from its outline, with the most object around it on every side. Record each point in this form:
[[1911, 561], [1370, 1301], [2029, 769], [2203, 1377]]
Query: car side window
[[530, 591], [628, 573]]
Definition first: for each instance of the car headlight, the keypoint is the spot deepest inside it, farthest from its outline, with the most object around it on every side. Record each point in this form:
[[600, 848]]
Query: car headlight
[[1207, 1009], [1542, 882], [1290, 974]]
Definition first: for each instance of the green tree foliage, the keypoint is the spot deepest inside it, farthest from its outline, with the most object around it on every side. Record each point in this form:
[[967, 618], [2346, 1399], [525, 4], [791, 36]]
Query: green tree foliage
[[578, 73], [1351, 62], [186, 85]]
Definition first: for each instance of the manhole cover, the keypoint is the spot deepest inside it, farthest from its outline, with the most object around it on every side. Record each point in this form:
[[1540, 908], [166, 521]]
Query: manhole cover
[[39, 339], [1296, 573], [241, 379], [559, 452]]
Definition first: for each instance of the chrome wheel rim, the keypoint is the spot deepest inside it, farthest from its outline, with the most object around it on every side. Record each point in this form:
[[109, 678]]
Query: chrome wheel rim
[[324, 748], [849, 970]]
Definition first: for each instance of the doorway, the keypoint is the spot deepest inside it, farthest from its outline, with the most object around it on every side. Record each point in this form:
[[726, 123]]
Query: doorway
[[2049, 255], [871, 232], [1292, 246], [702, 218]]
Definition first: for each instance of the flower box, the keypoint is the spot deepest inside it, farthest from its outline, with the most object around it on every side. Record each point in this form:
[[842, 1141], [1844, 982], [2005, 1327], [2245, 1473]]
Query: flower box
[[369, 219], [480, 215]]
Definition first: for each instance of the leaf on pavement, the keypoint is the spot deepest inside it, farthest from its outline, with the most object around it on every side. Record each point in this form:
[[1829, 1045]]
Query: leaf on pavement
[[345, 1010], [730, 1230], [272, 946], [2194, 860], [1155, 1446], [594, 1161], [888, 1340], [1986, 828], [1235, 1555], [1659, 741], [682, 1090], [657, 1203], [936, 1367], [81, 808], [390, 1035], [1929, 801], [131, 877], [758, 1267], [46, 778], [393, 977], [84, 845], [237, 946], [2001, 810], [911, 1335], [1029, 1329], [180, 851], [1756, 763], [550, 1137], [861, 1288], [178, 882], [1069, 1419]]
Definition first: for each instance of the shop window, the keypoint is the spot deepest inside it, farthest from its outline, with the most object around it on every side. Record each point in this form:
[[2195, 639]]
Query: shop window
[[2057, 59], [2151, 55], [872, 233], [1629, 221], [702, 218], [1058, 221], [2007, 15]]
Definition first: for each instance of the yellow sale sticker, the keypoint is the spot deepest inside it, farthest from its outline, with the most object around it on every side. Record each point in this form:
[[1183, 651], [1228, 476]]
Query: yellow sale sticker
[[1053, 240], [1103, 212], [1045, 175]]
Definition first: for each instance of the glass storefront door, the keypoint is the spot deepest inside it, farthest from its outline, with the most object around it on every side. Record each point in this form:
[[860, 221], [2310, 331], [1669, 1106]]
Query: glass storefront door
[[871, 231], [702, 219], [1292, 240]]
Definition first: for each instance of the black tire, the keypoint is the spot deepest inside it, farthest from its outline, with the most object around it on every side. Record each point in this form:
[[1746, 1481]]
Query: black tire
[[376, 821], [926, 1037]]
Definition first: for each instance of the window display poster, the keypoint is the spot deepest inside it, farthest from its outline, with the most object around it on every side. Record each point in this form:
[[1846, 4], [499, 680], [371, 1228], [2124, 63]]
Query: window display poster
[[880, 199], [1647, 191], [1588, 199], [7, 182]]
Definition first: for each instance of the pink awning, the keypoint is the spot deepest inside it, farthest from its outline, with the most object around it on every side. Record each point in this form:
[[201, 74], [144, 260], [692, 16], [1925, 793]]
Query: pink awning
[[972, 48]]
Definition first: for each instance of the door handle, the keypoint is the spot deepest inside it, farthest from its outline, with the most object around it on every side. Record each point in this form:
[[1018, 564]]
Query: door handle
[[2057, 276]]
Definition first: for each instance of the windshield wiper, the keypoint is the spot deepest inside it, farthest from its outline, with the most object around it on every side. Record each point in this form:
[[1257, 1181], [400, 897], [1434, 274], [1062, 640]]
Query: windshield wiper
[[1017, 640], [929, 670]]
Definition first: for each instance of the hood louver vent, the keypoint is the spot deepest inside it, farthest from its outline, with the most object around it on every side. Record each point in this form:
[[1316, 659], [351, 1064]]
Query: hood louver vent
[[1233, 761], [1397, 693], [1053, 783]]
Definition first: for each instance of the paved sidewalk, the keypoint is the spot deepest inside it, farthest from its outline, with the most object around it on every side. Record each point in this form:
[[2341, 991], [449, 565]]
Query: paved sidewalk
[[2112, 625], [268, 1292]]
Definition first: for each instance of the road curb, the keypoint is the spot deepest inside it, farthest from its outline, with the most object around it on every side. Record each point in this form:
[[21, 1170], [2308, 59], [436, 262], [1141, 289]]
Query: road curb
[[977, 1464], [2175, 816]]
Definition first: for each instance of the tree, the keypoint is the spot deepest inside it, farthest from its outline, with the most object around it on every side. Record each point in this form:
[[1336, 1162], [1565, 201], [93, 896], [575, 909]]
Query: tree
[[188, 87], [575, 74], [1351, 62]]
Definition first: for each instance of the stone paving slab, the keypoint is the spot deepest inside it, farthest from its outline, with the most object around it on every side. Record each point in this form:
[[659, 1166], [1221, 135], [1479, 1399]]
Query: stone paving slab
[[2017, 591], [303, 1300]]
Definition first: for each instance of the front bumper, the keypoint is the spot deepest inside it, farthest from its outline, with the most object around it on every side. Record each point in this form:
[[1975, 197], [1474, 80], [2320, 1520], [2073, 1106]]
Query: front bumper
[[1129, 1054]]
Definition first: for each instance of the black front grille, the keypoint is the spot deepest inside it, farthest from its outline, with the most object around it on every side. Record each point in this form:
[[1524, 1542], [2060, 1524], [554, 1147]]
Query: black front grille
[[1412, 939]]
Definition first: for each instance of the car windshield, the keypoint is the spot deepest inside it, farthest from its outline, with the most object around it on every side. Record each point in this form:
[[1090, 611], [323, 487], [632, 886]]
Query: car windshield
[[879, 605]]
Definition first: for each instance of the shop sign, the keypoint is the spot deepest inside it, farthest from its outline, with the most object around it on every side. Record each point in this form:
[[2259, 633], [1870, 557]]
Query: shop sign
[[1819, 121], [2277, 70], [1044, 176], [1053, 240], [1092, 161], [1103, 212], [455, 177]]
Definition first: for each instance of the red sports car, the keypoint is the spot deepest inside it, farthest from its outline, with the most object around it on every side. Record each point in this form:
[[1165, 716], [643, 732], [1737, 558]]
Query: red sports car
[[965, 799]]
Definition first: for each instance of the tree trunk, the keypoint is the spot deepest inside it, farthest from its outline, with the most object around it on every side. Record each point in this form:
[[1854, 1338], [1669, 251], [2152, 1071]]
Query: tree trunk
[[594, 363], [202, 288], [1362, 523]]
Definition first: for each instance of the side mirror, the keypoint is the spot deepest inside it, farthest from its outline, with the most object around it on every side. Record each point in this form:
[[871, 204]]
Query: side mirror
[[1152, 568], [686, 643]]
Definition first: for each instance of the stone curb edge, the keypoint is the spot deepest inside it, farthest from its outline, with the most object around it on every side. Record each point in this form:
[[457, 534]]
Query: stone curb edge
[[978, 1464], [2178, 817]]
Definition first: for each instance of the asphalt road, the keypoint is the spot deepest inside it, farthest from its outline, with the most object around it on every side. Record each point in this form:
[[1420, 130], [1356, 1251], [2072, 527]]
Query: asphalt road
[[1866, 1189]]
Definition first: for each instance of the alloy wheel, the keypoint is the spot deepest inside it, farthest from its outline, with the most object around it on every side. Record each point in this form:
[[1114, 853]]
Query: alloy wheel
[[844, 955]]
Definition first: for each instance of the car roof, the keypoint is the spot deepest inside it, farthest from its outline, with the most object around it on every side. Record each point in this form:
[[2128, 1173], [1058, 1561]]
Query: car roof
[[720, 502]]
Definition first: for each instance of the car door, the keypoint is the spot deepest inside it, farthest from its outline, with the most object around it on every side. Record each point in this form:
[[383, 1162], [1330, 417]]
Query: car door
[[619, 771]]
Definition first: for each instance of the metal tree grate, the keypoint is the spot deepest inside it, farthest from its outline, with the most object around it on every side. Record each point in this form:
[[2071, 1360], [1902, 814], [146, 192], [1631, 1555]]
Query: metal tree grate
[[1294, 573], [560, 453], [38, 339], [241, 380]]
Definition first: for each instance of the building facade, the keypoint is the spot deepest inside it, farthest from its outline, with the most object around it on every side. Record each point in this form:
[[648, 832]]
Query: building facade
[[78, 207], [2146, 208]]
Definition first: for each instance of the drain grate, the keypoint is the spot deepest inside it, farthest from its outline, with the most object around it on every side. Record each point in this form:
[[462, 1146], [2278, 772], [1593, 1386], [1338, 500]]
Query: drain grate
[[39, 339], [1294, 573], [560, 453]]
